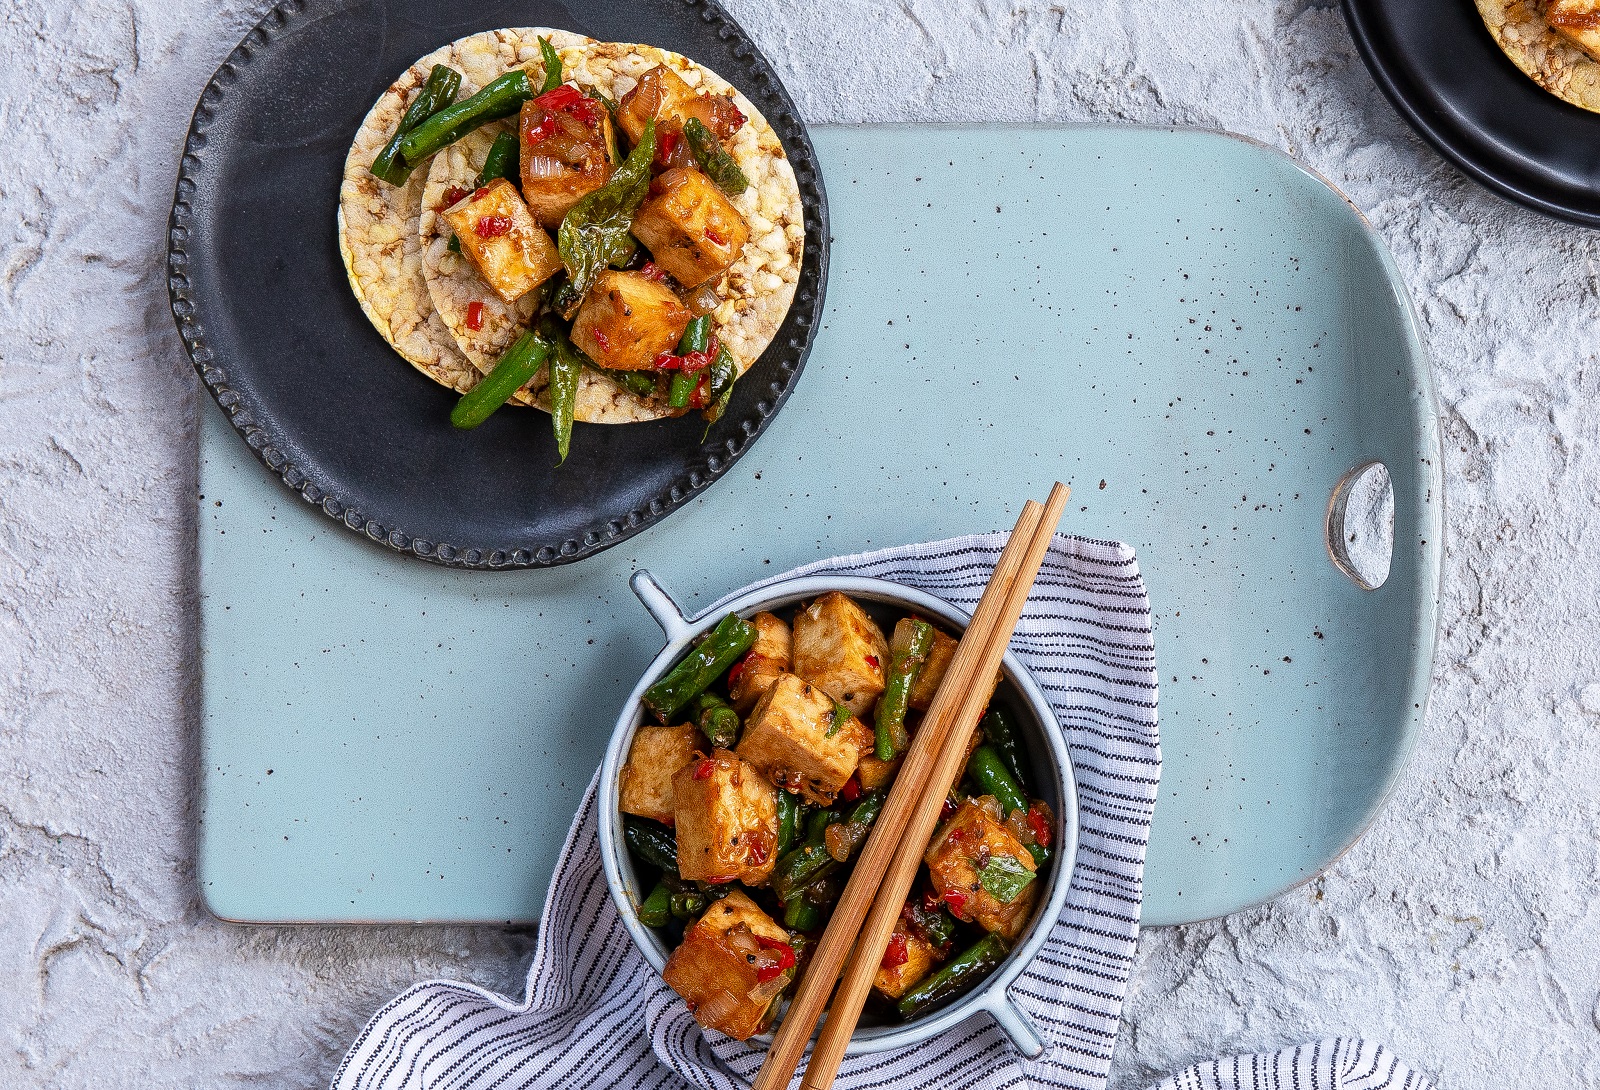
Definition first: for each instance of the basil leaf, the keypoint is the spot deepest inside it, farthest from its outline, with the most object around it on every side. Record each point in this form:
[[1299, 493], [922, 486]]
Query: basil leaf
[[841, 716], [595, 233], [552, 66], [1005, 878]]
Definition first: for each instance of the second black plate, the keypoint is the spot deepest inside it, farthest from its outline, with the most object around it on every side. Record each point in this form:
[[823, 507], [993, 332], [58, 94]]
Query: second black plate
[[1440, 67], [262, 303]]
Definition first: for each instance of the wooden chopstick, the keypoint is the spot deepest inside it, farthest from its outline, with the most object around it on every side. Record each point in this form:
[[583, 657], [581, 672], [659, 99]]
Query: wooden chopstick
[[828, 958], [862, 968]]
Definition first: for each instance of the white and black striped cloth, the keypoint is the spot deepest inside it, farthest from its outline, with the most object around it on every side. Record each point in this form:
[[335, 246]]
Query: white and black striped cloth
[[597, 1015]]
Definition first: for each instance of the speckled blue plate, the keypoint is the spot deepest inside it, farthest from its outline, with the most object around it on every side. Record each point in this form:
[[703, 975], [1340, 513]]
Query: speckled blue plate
[[1199, 335]]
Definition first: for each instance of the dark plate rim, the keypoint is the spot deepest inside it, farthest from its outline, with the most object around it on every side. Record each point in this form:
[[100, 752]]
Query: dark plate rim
[[1393, 82], [759, 81]]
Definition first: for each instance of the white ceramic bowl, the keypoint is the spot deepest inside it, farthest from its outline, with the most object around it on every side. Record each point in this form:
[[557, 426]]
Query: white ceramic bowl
[[1046, 749]]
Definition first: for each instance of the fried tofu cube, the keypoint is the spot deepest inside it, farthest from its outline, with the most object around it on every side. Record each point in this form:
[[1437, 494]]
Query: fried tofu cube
[[1578, 21], [906, 962], [794, 737], [983, 872], [726, 814], [627, 320], [657, 753], [500, 236], [718, 967], [558, 173], [841, 650], [769, 656], [690, 227], [933, 667], [664, 95]]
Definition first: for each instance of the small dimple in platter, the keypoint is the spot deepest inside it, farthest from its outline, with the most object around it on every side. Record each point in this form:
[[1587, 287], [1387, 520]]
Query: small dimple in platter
[[262, 300], [1200, 336]]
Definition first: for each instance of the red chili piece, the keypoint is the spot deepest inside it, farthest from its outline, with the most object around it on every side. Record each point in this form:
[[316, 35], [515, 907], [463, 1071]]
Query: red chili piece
[[1040, 828], [872, 661], [666, 361], [651, 271], [544, 129], [602, 340], [851, 791], [560, 98], [785, 958], [956, 900], [702, 391], [478, 194], [760, 851], [739, 667], [475, 315], [702, 771], [453, 196], [714, 237], [947, 809], [492, 226], [666, 144], [897, 953]]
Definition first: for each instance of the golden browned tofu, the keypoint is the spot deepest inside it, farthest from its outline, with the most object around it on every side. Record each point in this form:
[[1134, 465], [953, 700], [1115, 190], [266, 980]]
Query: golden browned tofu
[[982, 871], [720, 966], [563, 160], [500, 236], [664, 95], [657, 753], [794, 737], [690, 227], [933, 668], [1578, 21], [627, 320], [768, 657], [726, 814], [841, 650], [906, 962], [874, 773]]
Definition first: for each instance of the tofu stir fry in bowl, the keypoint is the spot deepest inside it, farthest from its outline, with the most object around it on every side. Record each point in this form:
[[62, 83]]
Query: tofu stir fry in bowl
[[745, 803]]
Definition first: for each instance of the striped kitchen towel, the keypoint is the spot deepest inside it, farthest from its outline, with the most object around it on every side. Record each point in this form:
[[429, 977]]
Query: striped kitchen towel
[[596, 1015]]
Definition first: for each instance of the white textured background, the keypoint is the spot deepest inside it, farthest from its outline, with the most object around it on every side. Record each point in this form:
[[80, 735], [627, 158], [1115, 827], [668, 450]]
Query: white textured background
[[1465, 928]]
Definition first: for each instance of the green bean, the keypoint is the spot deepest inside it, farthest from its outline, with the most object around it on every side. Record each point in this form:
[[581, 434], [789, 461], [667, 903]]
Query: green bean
[[993, 778], [1001, 736], [437, 93], [714, 160], [788, 821], [696, 335], [961, 973], [706, 662], [688, 904], [637, 383], [501, 162], [801, 914], [565, 369], [454, 245], [657, 908], [718, 721], [552, 66], [652, 842], [521, 361], [905, 663], [812, 860], [724, 373], [499, 98]]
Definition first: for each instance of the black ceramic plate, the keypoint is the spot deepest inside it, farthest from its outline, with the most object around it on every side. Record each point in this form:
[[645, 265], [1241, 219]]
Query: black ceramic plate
[[1440, 67], [262, 303]]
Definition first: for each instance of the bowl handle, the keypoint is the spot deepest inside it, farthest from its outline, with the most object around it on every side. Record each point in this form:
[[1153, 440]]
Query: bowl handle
[[660, 605], [1016, 1025]]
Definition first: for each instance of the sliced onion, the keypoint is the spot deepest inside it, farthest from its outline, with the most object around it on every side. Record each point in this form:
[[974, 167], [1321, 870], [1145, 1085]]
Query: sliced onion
[[543, 166], [704, 299]]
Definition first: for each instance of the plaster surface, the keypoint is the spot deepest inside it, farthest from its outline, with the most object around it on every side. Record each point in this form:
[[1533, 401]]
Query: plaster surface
[[1462, 929]]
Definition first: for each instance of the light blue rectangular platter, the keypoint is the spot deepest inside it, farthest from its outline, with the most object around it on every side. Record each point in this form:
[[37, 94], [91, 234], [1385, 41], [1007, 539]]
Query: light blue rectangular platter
[[1200, 337]]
